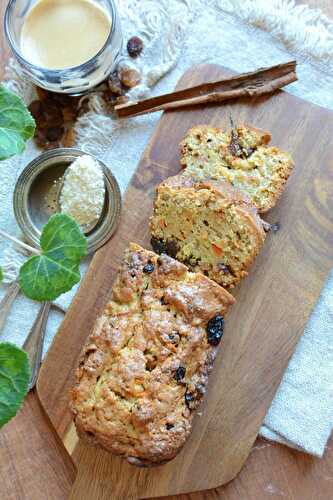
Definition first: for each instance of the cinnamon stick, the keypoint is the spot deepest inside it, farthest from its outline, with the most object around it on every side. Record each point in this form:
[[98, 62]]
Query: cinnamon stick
[[255, 83]]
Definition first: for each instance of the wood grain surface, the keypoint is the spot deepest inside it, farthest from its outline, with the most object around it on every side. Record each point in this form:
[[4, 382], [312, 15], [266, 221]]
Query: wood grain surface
[[271, 471], [34, 463], [272, 307]]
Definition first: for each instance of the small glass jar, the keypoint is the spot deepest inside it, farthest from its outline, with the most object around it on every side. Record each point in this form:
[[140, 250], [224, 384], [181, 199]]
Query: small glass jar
[[76, 80]]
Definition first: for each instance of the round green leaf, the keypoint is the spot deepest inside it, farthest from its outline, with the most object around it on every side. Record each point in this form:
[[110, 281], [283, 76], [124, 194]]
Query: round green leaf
[[44, 277], [16, 124], [62, 238], [14, 380]]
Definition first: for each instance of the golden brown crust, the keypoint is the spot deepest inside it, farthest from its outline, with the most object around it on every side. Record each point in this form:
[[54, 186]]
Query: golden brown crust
[[129, 395], [240, 156], [209, 225]]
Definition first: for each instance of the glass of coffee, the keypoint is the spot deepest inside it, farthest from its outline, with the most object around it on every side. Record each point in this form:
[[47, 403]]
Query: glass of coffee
[[67, 46]]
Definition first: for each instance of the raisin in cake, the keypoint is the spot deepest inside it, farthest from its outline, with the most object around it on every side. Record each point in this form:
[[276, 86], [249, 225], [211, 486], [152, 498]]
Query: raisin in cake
[[207, 225], [145, 366], [240, 156]]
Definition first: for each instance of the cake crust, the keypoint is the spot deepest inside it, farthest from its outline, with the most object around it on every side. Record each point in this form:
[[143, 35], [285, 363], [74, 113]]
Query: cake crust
[[145, 366], [241, 156]]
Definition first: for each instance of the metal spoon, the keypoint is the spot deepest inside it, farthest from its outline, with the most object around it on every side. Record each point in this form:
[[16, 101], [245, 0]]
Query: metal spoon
[[34, 343], [7, 302]]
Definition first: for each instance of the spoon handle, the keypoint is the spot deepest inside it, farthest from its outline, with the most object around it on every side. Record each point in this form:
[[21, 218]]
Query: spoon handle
[[34, 343], [7, 302]]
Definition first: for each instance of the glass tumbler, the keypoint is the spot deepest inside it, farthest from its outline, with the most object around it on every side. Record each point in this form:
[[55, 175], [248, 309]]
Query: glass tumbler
[[76, 80]]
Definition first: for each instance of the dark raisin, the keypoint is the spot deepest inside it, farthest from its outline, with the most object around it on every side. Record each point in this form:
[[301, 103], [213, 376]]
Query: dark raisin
[[169, 426], [42, 93], [52, 113], [215, 330], [134, 46], [158, 245], [200, 389], [189, 398], [55, 133], [69, 114], [174, 337], [275, 227], [162, 300], [271, 227], [149, 267], [223, 268], [35, 108], [171, 248], [206, 222], [133, 275], [180, 373], [63, 99], [115, 84], [110, 99]]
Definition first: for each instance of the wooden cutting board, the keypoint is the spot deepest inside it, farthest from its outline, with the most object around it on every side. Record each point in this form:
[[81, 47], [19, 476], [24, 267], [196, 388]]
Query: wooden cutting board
[[34, 463], [273, 303]]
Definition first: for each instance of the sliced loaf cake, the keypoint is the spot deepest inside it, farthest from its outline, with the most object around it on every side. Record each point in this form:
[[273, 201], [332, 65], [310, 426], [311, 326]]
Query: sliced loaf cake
[[208, 225], [240, 156]]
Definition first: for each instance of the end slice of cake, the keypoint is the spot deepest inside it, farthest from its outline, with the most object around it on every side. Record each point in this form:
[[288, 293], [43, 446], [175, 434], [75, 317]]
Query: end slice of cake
[[144, 369], [240, 156], [207, 225]]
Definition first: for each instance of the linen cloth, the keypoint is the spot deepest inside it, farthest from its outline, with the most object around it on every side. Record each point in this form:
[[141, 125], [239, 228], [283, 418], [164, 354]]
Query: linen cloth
[[242, 35]]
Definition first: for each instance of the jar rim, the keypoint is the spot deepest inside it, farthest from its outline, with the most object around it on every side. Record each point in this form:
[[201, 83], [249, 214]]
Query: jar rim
[[62, 71]]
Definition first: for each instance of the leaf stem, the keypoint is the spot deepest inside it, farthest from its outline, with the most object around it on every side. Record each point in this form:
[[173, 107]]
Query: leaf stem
[[19, 242]]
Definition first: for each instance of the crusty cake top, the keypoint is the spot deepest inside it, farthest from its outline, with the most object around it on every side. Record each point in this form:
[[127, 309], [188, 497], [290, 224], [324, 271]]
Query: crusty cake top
[[145, 366]]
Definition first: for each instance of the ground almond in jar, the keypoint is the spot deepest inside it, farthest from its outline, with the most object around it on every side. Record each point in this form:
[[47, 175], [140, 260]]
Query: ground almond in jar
[[64, 33]]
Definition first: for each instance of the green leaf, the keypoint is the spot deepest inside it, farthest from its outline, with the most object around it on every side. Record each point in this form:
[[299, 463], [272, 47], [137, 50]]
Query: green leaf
[[44, 277], [1, 275], [14, 380], [16, 124]]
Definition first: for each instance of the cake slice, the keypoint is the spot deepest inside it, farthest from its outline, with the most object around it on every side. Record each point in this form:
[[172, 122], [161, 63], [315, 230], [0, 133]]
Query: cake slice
[[240, 156], [145, 366], [207, 225]]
